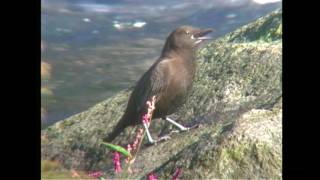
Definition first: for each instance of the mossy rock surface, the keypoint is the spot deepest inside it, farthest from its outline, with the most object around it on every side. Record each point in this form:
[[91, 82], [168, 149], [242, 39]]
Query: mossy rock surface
[[236, 97]]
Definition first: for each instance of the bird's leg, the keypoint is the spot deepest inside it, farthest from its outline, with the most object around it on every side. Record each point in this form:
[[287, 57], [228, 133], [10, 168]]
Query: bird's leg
[[150, 139], [148, 134], [181, 127]]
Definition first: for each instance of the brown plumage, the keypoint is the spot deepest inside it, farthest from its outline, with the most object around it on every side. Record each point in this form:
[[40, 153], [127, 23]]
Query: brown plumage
[[169, 79]]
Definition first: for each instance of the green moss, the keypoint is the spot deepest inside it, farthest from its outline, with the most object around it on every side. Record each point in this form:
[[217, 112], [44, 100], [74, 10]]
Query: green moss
[[66, 123], [236, 154], [264, 29], [240, 160], [52, 133]]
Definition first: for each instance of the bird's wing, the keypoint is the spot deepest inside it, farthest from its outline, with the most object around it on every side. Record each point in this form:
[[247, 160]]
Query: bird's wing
[[153, 83]]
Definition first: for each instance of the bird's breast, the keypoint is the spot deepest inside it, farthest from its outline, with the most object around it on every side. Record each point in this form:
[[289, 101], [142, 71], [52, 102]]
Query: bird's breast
[[175, 93]]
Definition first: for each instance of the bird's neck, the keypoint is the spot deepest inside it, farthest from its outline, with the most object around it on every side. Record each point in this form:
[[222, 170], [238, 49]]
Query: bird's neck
[[187, 58], [188, 54]]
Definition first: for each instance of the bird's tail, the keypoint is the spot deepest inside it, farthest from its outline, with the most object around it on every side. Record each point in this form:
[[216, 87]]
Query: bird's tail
[[116, 130]]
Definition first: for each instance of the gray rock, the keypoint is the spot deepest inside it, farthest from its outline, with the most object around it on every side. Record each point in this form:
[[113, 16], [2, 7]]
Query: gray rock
[[236, 97]]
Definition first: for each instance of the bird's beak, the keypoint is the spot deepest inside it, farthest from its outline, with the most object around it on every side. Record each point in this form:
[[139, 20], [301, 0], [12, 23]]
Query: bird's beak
[[201, 35]]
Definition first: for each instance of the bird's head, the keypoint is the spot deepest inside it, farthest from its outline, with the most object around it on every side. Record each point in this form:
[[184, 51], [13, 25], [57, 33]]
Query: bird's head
[[187, 37]]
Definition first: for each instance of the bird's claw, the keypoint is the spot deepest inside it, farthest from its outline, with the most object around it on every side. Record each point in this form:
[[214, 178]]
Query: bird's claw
[[195, 126], [163, 138], [178, 131], [188, 128], [174, 131], [185, 129], [167, 137]]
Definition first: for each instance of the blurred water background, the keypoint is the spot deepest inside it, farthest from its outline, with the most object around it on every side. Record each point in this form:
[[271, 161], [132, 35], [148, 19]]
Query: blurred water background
[[91, 49]]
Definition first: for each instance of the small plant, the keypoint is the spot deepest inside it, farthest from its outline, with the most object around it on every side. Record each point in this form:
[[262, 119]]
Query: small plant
[[96, 175], [132, 149], [152, 176], [176, 174], [116, 162]]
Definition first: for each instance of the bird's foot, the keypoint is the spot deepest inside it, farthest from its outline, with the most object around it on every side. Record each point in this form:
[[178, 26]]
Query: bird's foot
[[174, 131], [185, 129], [163, 138], [195, 126]]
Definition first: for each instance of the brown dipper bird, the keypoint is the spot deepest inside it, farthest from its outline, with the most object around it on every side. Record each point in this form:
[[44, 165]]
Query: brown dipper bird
[[169, 79]]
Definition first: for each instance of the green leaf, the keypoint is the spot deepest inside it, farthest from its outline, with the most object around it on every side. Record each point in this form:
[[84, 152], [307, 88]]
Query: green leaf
[[101, 178], [117, 148]]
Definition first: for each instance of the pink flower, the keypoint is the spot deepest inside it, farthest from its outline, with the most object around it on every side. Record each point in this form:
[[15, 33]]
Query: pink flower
[[176, 174], [145, 119], [116, 162], [137, 139], [134, 146], [152, 176], [151, 106], [96, 174]]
